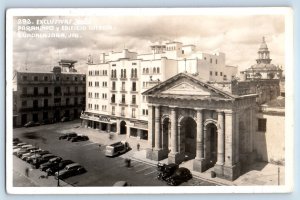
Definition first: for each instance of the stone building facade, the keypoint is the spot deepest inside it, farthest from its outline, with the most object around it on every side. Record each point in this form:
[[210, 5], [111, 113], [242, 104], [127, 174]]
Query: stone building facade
[[46, 97], [190, 119]]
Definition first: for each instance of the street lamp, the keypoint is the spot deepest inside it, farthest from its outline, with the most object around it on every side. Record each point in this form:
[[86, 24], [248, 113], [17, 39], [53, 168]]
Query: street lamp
[[58, 173]]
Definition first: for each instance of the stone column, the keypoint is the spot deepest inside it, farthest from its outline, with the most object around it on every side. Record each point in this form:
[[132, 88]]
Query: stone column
[[149, 151], [139, 134], [221, 136], [199, 137], [127, 131], [117, 126], [108, 128], [198, 163], [150, 126], [231, 168], [173, 131], [157, 128]]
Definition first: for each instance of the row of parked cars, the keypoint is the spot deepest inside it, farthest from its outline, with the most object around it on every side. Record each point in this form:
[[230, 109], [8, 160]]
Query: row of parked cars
[[46, 121], [45, 161], [172, 174], [73, 137]]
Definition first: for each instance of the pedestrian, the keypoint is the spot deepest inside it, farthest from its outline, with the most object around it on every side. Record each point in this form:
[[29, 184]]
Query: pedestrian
[[27, 171], [127, 162], [138, 146]]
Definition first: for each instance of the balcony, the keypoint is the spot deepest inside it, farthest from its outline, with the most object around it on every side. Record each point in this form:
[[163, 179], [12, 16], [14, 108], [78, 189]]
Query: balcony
[[123, 78], [113, 90], [58, 94], [113, 78], [123, 103], [134, 78], [133, 104], [122, 90], [35, 95], [133, 91]]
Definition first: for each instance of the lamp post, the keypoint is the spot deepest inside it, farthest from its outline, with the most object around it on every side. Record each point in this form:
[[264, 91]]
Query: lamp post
[[58, 173]]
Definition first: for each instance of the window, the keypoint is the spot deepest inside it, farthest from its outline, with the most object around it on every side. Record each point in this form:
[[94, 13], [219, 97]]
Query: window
[[133, 113], [123, 98], [104, 84], [90, 83], [103, 108], [57, 78], [76, 89], [154, 70], [216, 73], [90, 73], [113, 110], [113, 86], [134, 63], [204, 58], [35, 90], [24, 90], [96, 107], [35, 78], [24, 103], [97, 95], [211, 73], [35, 104], [123, 86], [182, 51], [24, 78], [90, 95], [45, 90], [158, 70], [216, 61], [104, 96], [145, 112], [45, 103], [122, 111], [262, 125], [210, 60], [113, 65], [133, 86], [97, 84], [67, 101], [97, 73], [221, 73], [147, 70], [75, 78], [133, 99], [113, 98], [75, 101], [45, 78]]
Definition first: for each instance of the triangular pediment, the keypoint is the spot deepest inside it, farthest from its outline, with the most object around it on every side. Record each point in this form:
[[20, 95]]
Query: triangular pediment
[[185, 86]]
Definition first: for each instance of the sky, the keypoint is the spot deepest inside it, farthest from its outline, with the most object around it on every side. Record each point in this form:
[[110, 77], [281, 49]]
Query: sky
[[239, 37]]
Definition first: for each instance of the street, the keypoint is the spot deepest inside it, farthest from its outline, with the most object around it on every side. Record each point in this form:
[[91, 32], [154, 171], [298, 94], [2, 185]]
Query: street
[[101, 170]]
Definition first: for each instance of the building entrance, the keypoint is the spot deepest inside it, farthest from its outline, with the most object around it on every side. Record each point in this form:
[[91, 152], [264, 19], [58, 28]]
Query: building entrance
[[123, 127], [211, 144], [188, 129]]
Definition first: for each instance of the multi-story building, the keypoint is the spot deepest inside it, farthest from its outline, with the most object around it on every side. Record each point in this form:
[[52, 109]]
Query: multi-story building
[[115, 85], [49, 96]]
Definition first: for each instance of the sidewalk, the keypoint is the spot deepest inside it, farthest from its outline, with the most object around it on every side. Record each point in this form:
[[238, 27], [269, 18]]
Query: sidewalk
[[259, 173], [35, 176]]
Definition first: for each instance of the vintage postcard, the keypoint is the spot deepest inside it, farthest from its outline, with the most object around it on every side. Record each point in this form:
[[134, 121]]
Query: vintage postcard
[[146, 101]]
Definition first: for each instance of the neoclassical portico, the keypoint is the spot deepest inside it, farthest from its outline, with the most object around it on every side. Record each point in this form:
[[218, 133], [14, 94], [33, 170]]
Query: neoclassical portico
[[191, 120]]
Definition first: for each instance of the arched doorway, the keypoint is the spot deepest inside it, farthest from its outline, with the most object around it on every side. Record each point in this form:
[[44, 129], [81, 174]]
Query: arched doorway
[[211, 144], [188, 132], [123, 128], [166, 133]]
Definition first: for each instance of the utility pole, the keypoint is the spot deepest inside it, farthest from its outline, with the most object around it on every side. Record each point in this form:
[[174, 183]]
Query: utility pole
[[278, 175]]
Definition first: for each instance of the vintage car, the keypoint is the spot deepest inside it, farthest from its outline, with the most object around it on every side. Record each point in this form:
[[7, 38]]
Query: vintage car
[[181, 175]]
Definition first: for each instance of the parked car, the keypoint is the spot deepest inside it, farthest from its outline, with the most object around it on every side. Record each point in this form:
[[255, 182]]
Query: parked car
[[121, 184], [51, 162], [116, 148], [80, 138], [47, 121], [70, 170], [66, 135], [31, 124], [43, 159], [71, 135], [167, 171], [16, 141], [30, 153], [33, 157], [181, 175], [65, 119], [54, 168], [21, 144]]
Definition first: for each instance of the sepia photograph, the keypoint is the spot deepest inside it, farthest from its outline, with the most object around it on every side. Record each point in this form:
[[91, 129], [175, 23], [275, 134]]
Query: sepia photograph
[[136, 100]]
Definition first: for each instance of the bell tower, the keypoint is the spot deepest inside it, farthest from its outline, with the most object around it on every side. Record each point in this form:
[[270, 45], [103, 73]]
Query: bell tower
[[263, 53]]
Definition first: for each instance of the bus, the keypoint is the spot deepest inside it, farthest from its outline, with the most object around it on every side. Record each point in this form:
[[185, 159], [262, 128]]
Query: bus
[[116, 148]]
